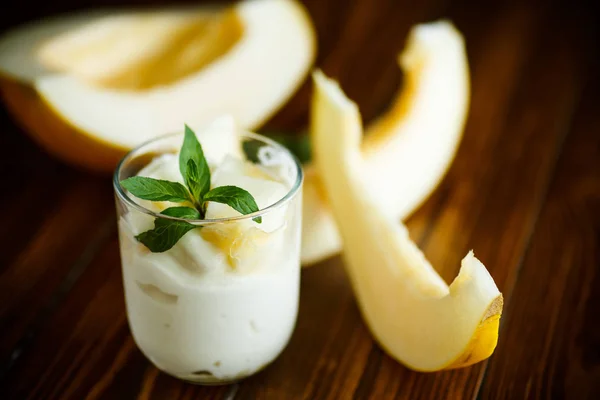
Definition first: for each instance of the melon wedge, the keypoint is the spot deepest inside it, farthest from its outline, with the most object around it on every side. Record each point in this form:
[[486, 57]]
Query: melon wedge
[[408, 150], [412, 313], [90, 87]]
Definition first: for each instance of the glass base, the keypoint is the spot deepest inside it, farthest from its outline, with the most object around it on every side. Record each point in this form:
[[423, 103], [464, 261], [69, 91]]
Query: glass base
[[203, 378], [207, 380], [210, 383]]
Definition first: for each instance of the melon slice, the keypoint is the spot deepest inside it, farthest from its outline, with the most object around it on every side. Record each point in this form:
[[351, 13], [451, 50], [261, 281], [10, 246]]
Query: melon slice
[[83, 92], [408, 150], [412, 313]]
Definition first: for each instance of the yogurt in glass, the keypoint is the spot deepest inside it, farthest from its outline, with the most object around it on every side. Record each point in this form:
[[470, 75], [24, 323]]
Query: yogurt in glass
[[221, 304]]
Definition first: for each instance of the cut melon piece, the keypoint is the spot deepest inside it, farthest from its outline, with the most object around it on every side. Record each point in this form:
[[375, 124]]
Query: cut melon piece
[[100, 100], [408, 150], [412, 313], [243, 242]]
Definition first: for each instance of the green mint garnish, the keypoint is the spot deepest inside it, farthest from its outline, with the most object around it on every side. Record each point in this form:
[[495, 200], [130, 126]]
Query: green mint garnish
[[181, 212], [298, 143], [167, 232], [193, 166], [196, 175], [235, 197], [156, 189], [192, 181]]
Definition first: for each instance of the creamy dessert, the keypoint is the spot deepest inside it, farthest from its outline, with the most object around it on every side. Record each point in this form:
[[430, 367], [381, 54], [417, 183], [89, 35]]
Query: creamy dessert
[[221, 303]]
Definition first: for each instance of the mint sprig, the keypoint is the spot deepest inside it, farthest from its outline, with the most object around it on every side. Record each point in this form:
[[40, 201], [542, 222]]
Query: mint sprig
[[197, 192]]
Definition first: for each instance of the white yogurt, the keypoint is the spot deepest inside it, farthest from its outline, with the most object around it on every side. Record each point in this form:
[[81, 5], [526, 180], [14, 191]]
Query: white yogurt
[[201, 311]]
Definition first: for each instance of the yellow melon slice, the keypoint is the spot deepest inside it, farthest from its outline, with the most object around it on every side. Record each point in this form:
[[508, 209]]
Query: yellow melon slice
[[90, 87], [412, 313], [408, 150]]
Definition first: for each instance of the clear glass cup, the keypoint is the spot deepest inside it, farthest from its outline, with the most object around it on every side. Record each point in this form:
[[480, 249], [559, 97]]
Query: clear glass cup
[[222, 303]]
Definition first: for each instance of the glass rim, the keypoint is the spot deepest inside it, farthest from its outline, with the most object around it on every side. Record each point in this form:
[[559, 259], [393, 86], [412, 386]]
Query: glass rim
[[291, 193]]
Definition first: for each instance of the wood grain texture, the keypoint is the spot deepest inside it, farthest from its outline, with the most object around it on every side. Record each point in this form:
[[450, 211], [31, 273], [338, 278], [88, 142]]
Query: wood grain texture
[[63, 328], [550, 344], [47, 229], [30, 282]]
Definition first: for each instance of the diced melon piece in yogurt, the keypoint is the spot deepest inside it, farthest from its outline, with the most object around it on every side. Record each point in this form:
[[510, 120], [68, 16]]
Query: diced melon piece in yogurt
[[247, 176], [241, 241]]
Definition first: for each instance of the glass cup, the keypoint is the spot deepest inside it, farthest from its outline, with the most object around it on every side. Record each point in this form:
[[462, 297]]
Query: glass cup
[[222, 303]]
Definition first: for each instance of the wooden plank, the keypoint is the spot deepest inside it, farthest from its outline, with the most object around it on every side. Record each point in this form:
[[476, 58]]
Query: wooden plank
[[50, 214], [57, 250], [32, 187], [550, 335]]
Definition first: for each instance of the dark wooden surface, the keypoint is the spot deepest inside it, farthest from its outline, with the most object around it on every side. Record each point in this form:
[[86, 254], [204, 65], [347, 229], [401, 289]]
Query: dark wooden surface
[[523, 192]]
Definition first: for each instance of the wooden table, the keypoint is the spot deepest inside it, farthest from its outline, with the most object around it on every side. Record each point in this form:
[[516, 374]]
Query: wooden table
[[523, 192]]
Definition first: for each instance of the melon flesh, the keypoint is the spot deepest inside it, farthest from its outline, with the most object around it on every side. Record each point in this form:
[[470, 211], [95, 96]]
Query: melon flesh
[[115, 51], [412, 313], [408, 150]]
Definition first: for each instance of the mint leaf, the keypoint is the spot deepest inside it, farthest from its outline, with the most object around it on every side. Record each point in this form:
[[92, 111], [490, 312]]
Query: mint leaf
[[167, 232], [156, 189], [298, 144], [198, 183], [182, 212], [197, 180], [164, 235], [192, 180], [236, 198]]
